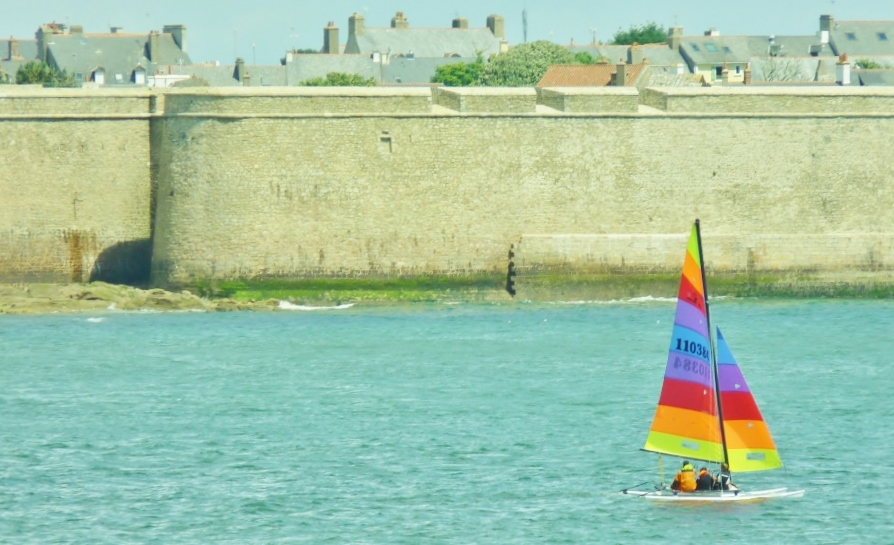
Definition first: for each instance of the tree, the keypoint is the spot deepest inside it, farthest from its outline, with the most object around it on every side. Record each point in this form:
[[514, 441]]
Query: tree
[[524, 66], [782, 69], [4, 77], [460, 74], [869, 64], [649, 33], [340, 79], [44, 74]]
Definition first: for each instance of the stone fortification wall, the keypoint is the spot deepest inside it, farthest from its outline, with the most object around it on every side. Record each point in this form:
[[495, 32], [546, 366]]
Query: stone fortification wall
[[390, 181], [450, 190], [74, 184]]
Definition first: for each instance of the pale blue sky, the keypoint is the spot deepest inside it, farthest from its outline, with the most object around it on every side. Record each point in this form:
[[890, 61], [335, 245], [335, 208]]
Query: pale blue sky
[[262, 30]]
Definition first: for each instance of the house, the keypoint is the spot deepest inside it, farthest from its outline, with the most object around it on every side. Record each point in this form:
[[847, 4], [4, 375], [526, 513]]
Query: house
[[712, 54], [113, 58], [14, 53], [864, 42]]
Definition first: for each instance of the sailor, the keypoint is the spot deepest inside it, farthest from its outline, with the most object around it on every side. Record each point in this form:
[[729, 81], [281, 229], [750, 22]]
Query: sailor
[[685, 479], [724, 479], [705, 481]]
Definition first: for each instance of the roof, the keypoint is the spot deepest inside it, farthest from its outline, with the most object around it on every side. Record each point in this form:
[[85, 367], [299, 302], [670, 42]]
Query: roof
[[656, 54], [715, 50], [883, 76], [861, 38], [585, 75], [118, 53], [303, 67], [788, 46], [425, 42]]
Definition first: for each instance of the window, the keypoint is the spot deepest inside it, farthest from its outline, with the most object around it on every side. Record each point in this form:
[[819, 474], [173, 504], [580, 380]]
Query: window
[[711, 47], [727, 50], [851, 36], [718, 70], [883, 36], [694, 47]]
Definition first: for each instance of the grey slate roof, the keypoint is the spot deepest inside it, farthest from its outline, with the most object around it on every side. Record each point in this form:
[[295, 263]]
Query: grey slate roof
[[117, 53], [862, 38], [789, 46], [873, 77], [715, 50], [425, 42], [27, 53], [396, 70]]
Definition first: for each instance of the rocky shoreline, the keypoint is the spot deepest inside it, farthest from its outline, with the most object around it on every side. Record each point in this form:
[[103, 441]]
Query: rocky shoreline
[[100, 297]]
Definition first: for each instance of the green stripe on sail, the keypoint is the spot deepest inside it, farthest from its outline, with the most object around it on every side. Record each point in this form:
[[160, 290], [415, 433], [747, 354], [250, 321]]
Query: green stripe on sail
[[741, 460], [675, 445], [693, 248]]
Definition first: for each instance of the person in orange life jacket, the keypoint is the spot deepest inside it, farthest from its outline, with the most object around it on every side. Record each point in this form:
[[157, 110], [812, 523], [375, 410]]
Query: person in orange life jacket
[[705, 481], [685, 479]]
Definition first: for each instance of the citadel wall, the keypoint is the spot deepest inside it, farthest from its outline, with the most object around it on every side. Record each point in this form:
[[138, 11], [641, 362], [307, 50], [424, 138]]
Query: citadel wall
[[74, 184], [291, 182]]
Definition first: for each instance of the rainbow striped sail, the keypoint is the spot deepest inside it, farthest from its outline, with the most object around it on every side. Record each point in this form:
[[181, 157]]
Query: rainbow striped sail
[[706, 411], [749, 445], [687, 422]]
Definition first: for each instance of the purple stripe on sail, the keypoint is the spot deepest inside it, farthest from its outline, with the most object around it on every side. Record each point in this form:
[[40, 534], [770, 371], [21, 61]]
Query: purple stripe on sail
[[691, 317], [730, 376], [698, 370]]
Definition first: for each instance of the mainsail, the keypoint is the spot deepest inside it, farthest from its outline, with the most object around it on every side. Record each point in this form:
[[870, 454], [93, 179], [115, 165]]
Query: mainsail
[[748, 442], [687, 420]]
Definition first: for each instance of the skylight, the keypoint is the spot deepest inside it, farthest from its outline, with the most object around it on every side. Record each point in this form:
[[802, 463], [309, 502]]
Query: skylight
[[695, 47], [882, 36], [727, 49], [711, 47], [851, 36]]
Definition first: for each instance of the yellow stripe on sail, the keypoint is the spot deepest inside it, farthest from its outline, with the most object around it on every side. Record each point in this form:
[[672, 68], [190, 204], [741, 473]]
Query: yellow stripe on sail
[[683, 447], [753, 459]]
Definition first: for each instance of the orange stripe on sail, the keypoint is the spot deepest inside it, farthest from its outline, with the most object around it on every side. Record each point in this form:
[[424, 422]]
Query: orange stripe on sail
[[686, 423], [693, 272], [747, 434]]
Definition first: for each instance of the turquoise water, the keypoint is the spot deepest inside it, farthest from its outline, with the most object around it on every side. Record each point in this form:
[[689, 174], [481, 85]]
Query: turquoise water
[[427, 424]]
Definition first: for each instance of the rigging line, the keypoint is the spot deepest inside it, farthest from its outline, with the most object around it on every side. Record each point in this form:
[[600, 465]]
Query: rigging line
[[701, 258]]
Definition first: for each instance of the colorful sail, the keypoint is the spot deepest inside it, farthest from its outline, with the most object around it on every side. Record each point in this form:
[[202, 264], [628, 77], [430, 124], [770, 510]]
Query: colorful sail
[[686, 421], [748, 442]]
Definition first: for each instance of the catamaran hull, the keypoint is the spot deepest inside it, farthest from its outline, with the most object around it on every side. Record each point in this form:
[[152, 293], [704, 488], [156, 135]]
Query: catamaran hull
[[709, 497]]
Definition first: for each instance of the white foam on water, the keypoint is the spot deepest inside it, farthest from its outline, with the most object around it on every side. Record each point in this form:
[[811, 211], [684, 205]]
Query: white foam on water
[[285, 305]]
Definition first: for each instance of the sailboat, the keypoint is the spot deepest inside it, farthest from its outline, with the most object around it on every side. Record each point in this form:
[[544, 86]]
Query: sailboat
[[706, 411]]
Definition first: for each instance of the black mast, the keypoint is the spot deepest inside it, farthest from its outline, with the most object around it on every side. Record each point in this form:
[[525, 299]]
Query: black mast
[[701, 254]]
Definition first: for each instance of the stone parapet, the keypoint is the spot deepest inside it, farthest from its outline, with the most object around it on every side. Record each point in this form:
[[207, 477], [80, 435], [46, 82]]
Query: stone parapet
[[804, 100], [516, 100], [284, 101], [591, 99], [98, 103]]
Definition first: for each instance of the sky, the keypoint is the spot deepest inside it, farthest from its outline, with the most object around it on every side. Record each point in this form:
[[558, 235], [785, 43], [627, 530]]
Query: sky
[[261, 31]]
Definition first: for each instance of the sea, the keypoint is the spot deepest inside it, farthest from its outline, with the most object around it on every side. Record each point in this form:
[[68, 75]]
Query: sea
[[460, 423]]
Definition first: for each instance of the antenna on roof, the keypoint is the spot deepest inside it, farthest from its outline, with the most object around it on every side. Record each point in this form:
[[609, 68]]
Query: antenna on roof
[[525, 25]]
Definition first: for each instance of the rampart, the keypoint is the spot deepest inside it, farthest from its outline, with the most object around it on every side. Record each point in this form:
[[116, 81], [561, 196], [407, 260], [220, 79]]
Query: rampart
[[295, 183]]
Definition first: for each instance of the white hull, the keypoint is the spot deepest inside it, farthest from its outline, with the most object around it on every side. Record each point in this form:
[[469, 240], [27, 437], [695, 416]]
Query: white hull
[[718, 496]]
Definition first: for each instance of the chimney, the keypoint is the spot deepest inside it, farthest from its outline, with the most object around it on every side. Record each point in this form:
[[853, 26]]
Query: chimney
[[675, 37], [115, 29], [355, 25], [724, 74], [153, 47], [843, 70], [746, 77], [620, 75], [14, 54], [77, 29], [178, 32], [460, 22], [496, 24], [826, 22], [240, 69], [330, 39], [399, 21], [713, 32]]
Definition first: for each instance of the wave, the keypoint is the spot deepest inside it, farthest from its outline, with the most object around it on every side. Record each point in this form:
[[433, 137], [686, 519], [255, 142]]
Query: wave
[[285, 305]]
